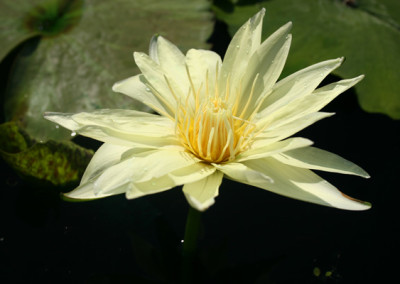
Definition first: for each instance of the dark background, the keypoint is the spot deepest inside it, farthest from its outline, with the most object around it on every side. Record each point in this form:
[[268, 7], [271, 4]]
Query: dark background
[[248, 236]]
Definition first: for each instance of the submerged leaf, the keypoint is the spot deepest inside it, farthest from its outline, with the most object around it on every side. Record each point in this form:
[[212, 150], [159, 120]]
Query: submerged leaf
[[58, 163], [366, 32]]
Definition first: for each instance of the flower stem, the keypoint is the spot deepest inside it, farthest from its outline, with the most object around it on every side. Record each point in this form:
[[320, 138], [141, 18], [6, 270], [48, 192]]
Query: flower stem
[[190, 244]]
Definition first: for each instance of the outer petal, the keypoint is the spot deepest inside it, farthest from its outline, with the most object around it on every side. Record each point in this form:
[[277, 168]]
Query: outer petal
[[106, 156], [267, 63], [142, 167], [135, 88], [86, 191], [292, 182], [172, 179], [243, 44], [172, 61], [153, 49], [122, 127], [297, 85], [273, 133], [261, 148], [296, 109], [202, 65], [317, 159], [201, 194], [159, 82]]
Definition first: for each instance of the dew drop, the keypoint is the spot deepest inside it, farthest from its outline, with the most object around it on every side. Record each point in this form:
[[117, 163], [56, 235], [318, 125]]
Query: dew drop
[[237, 46], [57, 126], [269, 179], [73, 133]]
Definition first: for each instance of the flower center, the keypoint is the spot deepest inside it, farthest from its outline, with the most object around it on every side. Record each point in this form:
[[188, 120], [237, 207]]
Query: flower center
[[209, 126]]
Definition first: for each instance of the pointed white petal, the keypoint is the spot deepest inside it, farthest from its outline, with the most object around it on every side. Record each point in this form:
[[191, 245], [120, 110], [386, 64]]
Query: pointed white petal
[[267, 62], [135, 88], [86, 191], [141, 168], [298, 108], [153, 50], [127, 121], [272, 55], [122, 127], [293, 182], [63, 119], [317, 159], [172, 179], [106, 156], [157, 80], [202, 63], [262, 148], [276, 132], [172, 62], [241, 173], [299, 84], [201, 194], [242, 46]]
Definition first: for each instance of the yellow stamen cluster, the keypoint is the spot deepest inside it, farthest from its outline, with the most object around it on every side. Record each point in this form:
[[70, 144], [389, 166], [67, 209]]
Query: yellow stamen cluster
[[211, 126]]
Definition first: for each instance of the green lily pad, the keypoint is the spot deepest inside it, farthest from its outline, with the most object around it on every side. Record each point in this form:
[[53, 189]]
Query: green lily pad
[[81, 48], [55, 162], [366, 32]]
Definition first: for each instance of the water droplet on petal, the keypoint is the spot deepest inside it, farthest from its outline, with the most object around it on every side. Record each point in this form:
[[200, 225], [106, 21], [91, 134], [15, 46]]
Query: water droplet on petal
[[269, 179], [73, 133]]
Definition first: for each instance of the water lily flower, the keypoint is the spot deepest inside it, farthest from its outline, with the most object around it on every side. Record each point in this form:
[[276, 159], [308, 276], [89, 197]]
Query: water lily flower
[[216, 119]]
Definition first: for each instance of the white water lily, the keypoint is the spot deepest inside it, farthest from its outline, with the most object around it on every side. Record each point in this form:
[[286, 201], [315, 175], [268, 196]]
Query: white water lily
[[215, 119]]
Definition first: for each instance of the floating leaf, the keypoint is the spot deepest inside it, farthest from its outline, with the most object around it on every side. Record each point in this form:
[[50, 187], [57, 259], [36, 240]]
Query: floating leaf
[[13, 29], [57, 163], [366, 32], [83, 48]]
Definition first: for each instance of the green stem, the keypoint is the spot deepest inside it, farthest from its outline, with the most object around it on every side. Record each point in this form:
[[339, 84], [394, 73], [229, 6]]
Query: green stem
[[190, 244]]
